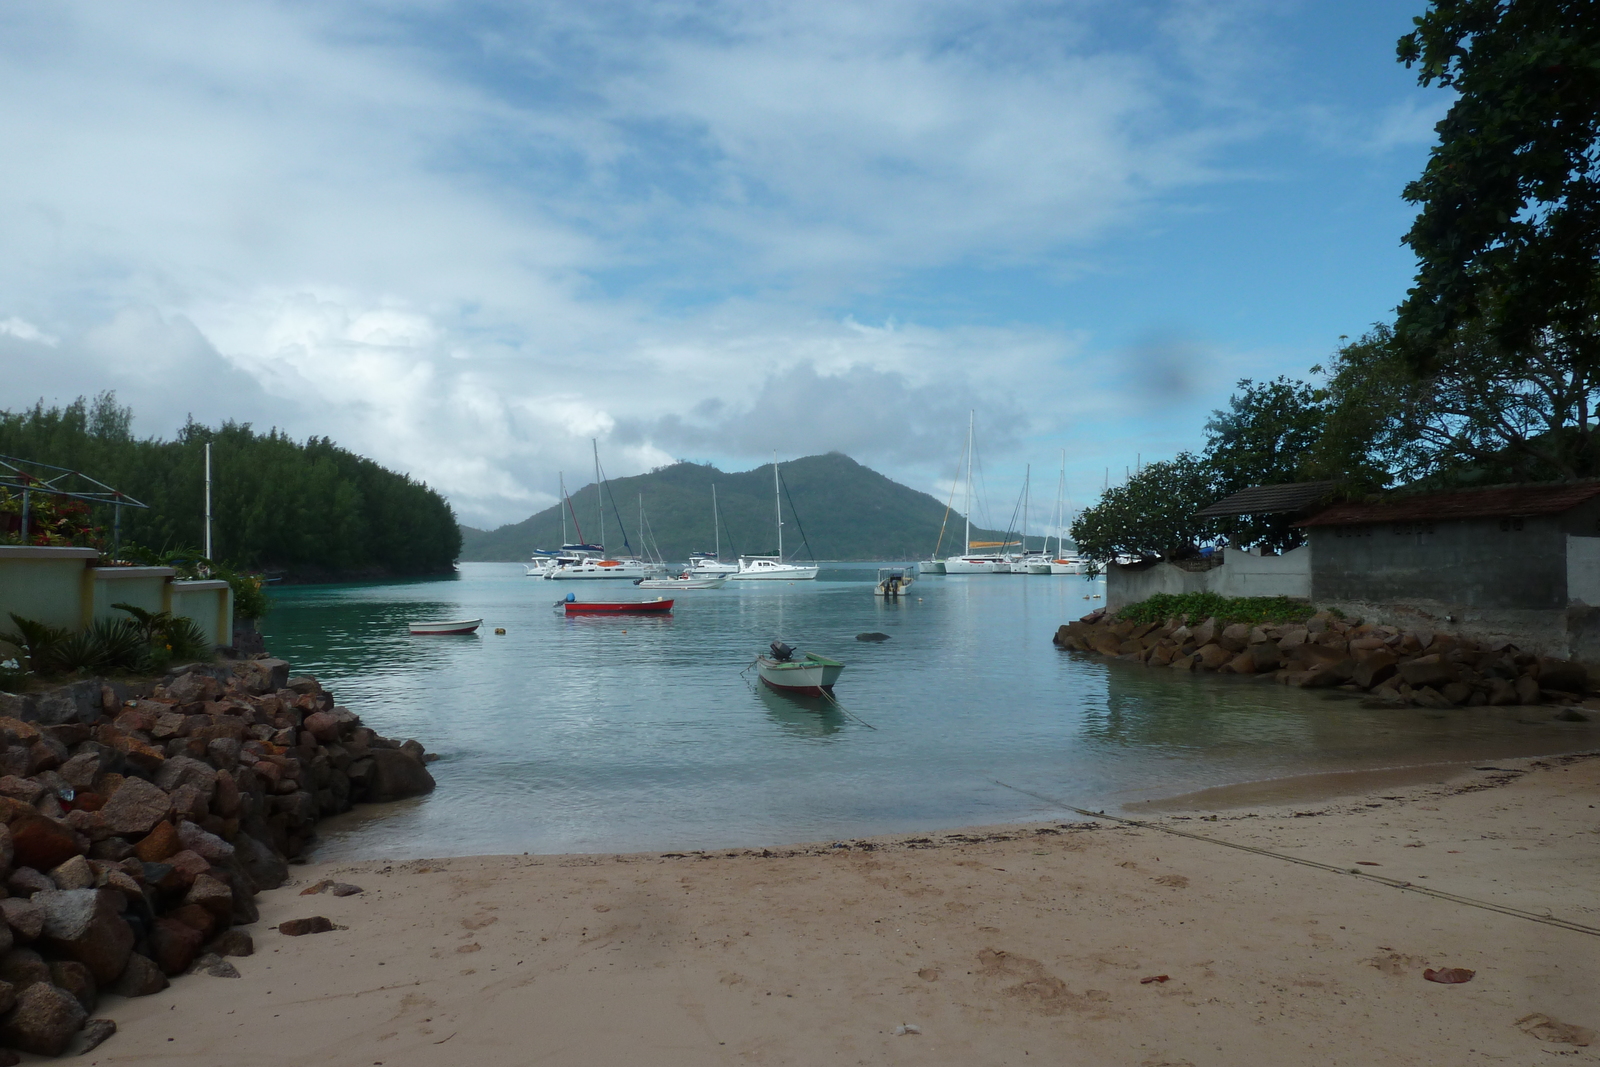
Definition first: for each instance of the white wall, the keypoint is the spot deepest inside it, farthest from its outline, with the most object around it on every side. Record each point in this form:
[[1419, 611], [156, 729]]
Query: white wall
[[1242, 574], [1583, 570]]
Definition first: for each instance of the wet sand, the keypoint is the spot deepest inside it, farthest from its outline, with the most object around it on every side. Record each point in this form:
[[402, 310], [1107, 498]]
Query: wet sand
[[1008, 945]]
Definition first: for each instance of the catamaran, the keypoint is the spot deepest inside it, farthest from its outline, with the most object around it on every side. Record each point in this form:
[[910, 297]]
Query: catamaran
[[584, 562], [773, 568], [970, 562]]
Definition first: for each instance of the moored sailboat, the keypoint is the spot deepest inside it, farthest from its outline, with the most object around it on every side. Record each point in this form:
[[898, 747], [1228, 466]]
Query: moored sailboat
[[773, 568]]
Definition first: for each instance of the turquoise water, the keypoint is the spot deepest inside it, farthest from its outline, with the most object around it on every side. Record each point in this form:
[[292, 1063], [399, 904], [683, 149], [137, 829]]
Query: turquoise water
[[613, 734]]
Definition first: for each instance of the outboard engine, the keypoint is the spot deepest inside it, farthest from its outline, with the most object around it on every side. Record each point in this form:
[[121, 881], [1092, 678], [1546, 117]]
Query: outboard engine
[[781, 652]]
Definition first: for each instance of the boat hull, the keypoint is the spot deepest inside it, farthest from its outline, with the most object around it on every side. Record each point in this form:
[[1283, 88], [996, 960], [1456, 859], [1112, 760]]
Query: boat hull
[[976, 565], [440, 629], [813, 676], [606, 569], [683, 583], [932, 566], [772, 571], [624, 607]]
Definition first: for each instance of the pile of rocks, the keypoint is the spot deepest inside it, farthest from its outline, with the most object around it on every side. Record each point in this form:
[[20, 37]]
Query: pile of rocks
[[136, 828], [1396, 666]]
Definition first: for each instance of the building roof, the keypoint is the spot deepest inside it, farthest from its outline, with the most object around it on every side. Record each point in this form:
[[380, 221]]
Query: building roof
[[1269, 499], [1502, 500]]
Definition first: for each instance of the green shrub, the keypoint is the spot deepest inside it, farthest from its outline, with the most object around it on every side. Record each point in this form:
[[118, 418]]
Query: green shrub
[[1197, 607], [36, 641]]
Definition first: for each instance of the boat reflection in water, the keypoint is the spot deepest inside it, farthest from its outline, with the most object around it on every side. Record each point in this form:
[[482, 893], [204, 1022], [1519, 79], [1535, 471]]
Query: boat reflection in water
[[801, 717]]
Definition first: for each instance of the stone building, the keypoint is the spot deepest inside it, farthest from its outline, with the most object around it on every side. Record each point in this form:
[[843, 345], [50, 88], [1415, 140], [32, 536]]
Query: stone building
[[1520, 562]]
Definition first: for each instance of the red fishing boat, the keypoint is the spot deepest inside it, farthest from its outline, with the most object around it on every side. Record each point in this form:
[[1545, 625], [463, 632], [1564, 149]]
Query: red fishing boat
[[658, 606]]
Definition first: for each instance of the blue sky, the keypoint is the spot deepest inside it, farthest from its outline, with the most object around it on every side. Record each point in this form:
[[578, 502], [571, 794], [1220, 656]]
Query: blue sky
[[465, 238]]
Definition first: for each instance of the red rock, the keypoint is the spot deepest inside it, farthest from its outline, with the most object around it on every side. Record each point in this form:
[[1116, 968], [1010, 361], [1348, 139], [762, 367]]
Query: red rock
[[188, 865], [195, 916], [90, 801], [322, 725], [173, 945], [39, 843], [87, 925], [316, 924], [159, 844], [25, 918], [139, 755], [214, 897]]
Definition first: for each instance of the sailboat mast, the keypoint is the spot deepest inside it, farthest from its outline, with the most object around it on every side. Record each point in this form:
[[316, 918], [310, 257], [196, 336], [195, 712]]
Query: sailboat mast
[[966, 546], [1061, 496], [777, 499], [716, 522], [562, 507], [599, 497], [1027, 490]]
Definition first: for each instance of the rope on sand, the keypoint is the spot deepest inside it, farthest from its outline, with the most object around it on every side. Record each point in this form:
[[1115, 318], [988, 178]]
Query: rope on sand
[[1393, 883]]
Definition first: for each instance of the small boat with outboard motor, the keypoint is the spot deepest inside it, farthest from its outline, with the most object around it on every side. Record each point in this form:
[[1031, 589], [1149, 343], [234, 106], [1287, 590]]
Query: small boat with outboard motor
[[893, 581], [801, 673], [457, 626], [574, 606]]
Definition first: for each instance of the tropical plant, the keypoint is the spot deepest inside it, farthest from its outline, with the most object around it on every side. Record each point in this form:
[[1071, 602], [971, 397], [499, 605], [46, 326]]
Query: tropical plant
[[36, 641]]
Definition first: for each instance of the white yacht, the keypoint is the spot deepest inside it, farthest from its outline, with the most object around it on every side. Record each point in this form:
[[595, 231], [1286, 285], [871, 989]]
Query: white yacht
[[773, 568], [590, 567], [752, 568]]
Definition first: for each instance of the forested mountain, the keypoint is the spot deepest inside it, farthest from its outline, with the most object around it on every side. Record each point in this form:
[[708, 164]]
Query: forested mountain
[[845, 510], [311, 509]]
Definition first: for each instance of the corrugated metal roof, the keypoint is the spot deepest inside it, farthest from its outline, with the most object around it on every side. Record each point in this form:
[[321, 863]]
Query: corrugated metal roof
[[1270, 499], [1507, 500]]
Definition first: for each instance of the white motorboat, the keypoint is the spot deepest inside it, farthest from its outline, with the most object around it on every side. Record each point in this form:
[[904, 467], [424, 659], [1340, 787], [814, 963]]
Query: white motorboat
[[684, 581], [457, 626], [773, 568], [704, 564], [894, 581], [753, 568]]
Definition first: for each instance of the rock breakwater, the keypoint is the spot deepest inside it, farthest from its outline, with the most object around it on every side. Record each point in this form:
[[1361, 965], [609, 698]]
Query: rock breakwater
[[1396, 667], [137, 825]]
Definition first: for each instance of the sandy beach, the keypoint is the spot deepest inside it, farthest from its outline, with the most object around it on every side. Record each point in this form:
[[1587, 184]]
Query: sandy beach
[[1001, 945]]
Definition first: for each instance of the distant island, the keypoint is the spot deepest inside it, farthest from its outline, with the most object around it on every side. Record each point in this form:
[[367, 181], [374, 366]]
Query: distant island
[[847, 512]]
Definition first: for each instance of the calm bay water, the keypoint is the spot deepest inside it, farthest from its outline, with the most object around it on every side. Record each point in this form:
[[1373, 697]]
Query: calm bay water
[[615, 734]]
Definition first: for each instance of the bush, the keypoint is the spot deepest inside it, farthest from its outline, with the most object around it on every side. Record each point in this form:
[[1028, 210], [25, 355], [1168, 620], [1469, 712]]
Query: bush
[[1197, 607], [146, 644]]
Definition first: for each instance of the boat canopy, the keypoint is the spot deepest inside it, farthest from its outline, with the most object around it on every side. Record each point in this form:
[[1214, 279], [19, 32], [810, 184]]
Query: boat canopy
[[583, 548], [992, 544]]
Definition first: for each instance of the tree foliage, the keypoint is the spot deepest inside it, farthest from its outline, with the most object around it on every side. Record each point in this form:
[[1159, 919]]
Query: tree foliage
[[1476, 416], [311, 508], [1268, 435], [1152, 514], [1509, 227]]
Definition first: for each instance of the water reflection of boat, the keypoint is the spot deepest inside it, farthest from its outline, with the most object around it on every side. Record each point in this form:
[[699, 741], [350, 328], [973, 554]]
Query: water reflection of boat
[[810, 674], [801, 717]]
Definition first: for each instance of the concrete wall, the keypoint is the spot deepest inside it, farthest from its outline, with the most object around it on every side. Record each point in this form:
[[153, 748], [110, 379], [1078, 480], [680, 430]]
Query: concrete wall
[[1486, 564], [48, 585], [1241, 574], [60, 587]]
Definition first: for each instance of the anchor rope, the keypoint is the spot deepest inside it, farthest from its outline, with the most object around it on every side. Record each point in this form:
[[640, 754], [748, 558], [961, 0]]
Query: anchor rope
[[1393, 883]]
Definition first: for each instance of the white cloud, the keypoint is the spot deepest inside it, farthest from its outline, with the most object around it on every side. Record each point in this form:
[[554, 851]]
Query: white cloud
[[465, 242]]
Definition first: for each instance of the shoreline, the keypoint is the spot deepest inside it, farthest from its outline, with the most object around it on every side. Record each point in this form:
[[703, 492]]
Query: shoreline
[[995, 945]]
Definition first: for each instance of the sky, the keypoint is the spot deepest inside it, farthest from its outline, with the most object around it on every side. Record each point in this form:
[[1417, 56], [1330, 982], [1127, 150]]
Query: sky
[[467, 238]]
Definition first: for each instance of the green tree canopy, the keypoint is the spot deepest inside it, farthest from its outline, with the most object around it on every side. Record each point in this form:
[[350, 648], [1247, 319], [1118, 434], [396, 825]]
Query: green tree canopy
[[1153, 514], [311, 508]]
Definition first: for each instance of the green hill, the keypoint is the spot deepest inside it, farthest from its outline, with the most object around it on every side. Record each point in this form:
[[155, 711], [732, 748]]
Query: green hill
[[848, 512]]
